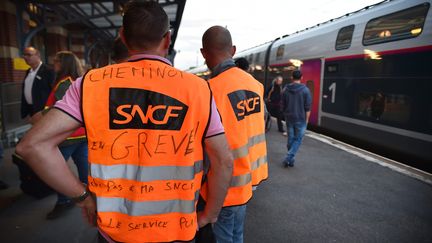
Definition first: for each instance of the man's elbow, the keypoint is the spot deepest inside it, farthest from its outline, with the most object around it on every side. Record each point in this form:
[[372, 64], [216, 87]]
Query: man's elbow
[[226, 163], [25, 147]]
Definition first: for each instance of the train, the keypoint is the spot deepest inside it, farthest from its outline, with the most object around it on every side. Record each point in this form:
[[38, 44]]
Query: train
[[369, 73]]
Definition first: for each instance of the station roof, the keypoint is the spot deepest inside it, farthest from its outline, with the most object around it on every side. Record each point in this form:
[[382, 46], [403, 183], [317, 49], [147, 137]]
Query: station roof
[[102, 18]]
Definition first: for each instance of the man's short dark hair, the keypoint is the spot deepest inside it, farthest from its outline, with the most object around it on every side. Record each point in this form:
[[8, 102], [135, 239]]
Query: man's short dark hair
[[145, 23], [242, 63], [297, 74]]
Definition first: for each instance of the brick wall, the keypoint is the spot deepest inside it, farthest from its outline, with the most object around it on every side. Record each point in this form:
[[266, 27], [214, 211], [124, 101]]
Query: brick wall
[[77, 47], [8, 43], [56, 40]]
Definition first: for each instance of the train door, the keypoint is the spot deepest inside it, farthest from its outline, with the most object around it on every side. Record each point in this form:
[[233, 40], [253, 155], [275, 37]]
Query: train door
[[311, 70]]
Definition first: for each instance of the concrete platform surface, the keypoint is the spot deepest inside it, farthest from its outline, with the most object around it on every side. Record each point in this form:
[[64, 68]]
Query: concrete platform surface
[[329, 196]]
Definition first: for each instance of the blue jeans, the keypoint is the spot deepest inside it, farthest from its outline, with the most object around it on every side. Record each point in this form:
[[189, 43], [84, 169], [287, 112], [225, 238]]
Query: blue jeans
[[296, 132], [229, 225], [79, 153]]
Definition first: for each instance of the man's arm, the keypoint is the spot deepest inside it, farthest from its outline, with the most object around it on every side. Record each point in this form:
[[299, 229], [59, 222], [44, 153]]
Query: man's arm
[[269, 94], [307, 116], [219, 177], [35, 118], [39, 149], [308, 104], [282, 102]]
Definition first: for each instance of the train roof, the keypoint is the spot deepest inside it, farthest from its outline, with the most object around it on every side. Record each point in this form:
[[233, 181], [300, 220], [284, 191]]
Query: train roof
[[303, 45], [329, 24]]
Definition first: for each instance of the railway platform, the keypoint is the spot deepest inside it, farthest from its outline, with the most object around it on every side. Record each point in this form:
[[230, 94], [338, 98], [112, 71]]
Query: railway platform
[[335, 193]]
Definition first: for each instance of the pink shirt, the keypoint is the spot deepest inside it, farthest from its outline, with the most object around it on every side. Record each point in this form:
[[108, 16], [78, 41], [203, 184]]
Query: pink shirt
[[71, 104]]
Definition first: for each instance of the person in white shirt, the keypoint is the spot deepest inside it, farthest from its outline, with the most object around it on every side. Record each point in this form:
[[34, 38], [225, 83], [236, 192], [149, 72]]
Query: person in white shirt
[[37, 85]]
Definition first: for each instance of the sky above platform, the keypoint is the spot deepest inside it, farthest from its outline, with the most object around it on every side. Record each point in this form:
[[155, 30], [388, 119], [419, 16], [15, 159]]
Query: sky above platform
[[252, 22]]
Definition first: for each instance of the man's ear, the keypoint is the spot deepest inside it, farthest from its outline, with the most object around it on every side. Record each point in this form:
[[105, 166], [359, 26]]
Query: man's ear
[[121, 33], [167, 40], [233, 50], [203, 53]]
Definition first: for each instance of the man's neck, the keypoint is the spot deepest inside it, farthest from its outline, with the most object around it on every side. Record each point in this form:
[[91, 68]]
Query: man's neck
[[296, 81], [148, 52], [35, 66], [222, 66], [219, 60]]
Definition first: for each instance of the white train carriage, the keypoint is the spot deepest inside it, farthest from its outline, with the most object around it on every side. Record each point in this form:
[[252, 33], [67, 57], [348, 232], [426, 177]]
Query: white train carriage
[[369, 73]]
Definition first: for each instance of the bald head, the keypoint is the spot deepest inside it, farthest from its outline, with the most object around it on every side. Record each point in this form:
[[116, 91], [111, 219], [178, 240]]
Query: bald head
[[217, 38], [217, 45], [31, 56], [32, 50]]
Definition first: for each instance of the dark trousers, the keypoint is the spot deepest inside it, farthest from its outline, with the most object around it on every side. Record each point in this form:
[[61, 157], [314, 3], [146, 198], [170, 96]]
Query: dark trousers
[[274, 110]]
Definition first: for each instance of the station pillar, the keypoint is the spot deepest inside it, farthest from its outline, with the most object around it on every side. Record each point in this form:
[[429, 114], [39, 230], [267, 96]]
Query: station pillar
[[77, 46], [56, 40]]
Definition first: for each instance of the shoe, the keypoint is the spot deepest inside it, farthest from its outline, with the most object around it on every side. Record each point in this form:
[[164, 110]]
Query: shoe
[[291, 163], [3, 186], [285, 134], [59, 210], [285, 163]]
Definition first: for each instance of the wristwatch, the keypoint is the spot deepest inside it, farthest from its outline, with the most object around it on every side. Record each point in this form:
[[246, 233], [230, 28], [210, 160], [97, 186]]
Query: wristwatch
[[81, 197]]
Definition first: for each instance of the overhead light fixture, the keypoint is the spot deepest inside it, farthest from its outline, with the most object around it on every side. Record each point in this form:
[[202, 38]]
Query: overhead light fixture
[[416, 31], [32, 23], [296, 62], [32, 8], [385, 33]]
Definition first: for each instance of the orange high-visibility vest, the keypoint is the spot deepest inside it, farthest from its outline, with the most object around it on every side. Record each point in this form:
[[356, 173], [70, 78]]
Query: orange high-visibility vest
[[145, 123], [238, 97], [57, 94]]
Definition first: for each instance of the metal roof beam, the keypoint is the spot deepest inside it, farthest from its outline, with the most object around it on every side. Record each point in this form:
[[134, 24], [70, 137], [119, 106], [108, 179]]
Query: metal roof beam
[[51, 2], [95, 6], [84, 19], [81, 13], [109, 27], [179, 14], [92, 13]]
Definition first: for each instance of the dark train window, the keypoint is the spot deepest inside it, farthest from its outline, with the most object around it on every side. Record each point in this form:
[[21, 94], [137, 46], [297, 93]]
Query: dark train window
[[332, 68], [250, 58], [379, 106], [257, 57], [394, 91], [344, 37], [400, 25], [280, 52]]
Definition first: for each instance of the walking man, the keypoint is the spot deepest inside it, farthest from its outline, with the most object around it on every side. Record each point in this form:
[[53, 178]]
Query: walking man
[[239, 100], [147, 124], [295, 105]]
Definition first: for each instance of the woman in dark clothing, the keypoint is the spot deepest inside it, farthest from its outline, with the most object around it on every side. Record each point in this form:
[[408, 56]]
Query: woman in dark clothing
[[273, 101]]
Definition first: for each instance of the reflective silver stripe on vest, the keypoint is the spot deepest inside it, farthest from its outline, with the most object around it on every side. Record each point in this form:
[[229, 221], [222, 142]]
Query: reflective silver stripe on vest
[[139, 208], [244, 150], [257, 163], [240, 180], [145, 173]]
